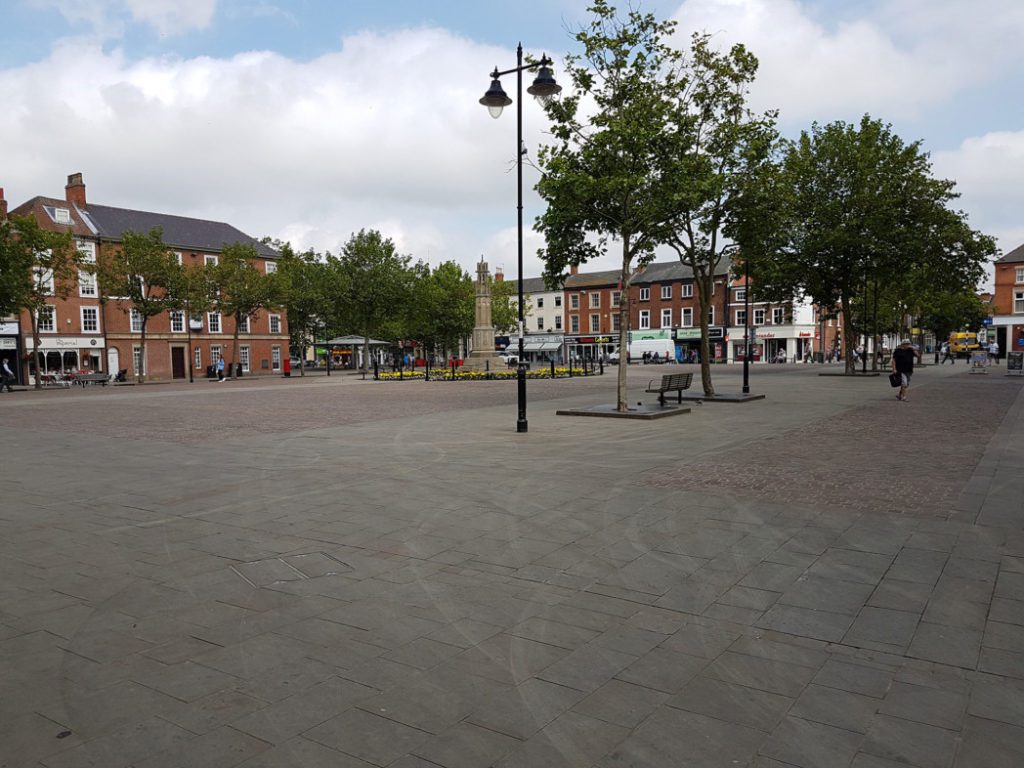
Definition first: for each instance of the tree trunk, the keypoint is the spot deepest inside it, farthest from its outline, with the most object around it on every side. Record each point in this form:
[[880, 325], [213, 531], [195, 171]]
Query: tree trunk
[[704, 284], [848, 331], [622, 405], [140, 375], [302, 359], [366, 351], [35, 347], [234, 347]]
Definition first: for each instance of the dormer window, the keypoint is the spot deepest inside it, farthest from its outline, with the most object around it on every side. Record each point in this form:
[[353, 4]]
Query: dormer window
[[62, 215]]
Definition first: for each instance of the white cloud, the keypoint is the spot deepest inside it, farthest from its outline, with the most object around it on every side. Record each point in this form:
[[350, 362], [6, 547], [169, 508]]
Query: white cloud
[[908, 56], [988, 170], [107, 17], [384, 132]]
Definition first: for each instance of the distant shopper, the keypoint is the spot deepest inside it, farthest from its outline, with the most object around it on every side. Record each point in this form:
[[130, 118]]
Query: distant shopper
[[903, 364], [993, 352], [220, 369], [6, 376], [947, 354]]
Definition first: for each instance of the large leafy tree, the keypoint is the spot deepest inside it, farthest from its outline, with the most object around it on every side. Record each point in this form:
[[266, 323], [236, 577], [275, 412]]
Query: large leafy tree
[[857, 207], [195, 291], [242, 290], [442, 309], [373, 282], [609, 134], [36, 267], [946, 312], [302, 279], [505, 305], [140, 275], [715, 145]]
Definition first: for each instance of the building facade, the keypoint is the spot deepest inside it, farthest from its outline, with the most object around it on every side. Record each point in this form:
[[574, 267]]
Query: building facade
[[1008, 302], [90, 332]]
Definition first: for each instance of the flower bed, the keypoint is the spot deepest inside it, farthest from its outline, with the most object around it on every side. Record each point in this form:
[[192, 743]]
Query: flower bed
[[445, 374]]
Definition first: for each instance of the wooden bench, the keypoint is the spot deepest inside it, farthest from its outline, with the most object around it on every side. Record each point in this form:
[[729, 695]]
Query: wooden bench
[[92, 378], [670, 382]]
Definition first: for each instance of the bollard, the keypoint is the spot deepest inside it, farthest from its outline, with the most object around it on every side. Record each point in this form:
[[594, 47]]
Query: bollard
[[376, 371], [552, 369], [453, 370], [602, 367], [426, 371]]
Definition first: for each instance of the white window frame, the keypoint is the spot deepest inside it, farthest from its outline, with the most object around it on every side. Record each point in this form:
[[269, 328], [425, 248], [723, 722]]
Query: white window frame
[[574, 301], [210, 260], [616, 322], [666, 291], [758, 317], [212, 319], [741, 294], [778, 316], [62, 215], [275, 358], [44, 279], [645, 294], [197, 358], [645, 319], [711, 315], [595, 300], [138, 359], [270, 267], [244, 325], [686, 290], [540, 302], [540, 323], [574, 324], [666, 313], [275, 324], [558, 322], [216, 353], [1018, 302], [135, 320], [96, 312], [558, 301], [244, 358], [177, 317], [741, 317], [87, 283], [1019, 275], [616, 299], [686, 317], [595, 323], [50, 311]]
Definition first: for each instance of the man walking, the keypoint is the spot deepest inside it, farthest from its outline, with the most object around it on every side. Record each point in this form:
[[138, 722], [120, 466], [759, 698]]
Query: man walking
[[6, 376], [903, 364], [993, 353], [946, 354]]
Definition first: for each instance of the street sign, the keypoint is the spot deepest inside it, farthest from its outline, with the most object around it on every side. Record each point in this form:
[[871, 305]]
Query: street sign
[[1015, 363]]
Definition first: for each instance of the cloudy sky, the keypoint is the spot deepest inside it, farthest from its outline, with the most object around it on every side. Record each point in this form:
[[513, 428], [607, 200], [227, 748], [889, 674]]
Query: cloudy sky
[[307, 120]]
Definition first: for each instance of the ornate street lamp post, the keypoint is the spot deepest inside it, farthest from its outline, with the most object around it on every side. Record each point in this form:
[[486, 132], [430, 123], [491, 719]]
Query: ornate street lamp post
[[746, 329], [544, 87]]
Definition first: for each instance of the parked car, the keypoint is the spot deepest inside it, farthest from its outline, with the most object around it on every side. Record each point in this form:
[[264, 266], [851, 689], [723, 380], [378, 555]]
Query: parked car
[[294, 363], [510, 358], [613, 358]]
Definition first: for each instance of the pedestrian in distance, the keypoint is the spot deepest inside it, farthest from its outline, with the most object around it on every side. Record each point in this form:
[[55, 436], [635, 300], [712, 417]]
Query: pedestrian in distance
[[993, 353], [947, 354], [6, 376], [220, 369], [903, 364]]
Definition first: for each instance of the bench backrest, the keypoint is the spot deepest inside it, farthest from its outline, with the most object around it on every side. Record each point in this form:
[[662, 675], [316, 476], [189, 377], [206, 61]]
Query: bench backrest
[[676, 380]]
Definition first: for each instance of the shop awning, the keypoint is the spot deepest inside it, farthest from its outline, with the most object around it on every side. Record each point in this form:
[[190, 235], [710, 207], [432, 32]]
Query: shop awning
[[531, 346]]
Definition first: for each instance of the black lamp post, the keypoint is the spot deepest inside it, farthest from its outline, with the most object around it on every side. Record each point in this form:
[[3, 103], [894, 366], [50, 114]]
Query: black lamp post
[[544, 87], [746, 326]]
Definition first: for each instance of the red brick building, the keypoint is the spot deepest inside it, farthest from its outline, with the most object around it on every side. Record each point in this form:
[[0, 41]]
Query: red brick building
[[1008, 303], [85, 332]]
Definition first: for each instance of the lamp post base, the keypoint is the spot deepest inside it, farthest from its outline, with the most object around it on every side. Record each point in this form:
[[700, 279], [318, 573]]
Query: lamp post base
[[521, 423]]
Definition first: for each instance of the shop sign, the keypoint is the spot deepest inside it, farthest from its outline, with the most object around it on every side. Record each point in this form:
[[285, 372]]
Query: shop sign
[[8, 342], [687, 333], [8, 329], [806, 334], [716, 332], [67, 342], [765, 335], [655, 335]]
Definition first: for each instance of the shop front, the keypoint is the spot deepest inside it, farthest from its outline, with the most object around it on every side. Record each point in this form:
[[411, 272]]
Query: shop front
[[62, 355], [11, 350], [537, 348], [590, 348], [775, 343]]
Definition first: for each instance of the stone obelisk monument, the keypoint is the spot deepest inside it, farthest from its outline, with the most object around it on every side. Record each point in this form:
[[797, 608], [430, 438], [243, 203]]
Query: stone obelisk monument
[[483, 354]]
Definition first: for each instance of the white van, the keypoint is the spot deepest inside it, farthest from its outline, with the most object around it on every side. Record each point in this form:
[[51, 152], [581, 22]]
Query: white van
[[665, 349]]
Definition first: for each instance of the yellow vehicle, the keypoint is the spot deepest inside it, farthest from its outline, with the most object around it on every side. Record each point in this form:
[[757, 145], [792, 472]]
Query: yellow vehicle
[[962, 344]]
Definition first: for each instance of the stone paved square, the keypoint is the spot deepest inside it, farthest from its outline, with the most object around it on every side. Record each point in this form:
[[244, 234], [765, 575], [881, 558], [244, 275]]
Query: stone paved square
[[346, 573]]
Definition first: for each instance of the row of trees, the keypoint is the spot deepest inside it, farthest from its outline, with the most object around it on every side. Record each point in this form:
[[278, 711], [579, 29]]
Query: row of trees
[[657, 148], [371, 290], [368, 289]]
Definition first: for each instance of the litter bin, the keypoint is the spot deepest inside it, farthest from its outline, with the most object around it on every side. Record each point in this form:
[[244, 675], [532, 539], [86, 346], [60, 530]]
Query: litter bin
[[210, 372]]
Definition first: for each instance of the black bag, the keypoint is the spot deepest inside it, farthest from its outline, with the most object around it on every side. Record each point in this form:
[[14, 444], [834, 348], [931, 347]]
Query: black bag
[[896, 379]]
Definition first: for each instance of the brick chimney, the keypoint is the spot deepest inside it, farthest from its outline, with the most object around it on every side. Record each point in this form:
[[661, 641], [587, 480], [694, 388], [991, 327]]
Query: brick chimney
[[573, 269], [499, 276], [3, 206], [74, 191]]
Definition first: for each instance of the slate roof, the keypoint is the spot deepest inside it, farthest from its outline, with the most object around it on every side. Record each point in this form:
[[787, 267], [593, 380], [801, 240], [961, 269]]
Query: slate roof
[[178, 231], [588, 279], [1013, 257]]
